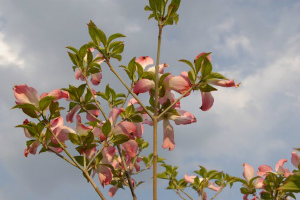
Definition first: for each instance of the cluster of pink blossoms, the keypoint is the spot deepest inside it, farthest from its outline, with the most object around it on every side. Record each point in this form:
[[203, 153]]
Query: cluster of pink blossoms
[[263, 171], [133, 130]]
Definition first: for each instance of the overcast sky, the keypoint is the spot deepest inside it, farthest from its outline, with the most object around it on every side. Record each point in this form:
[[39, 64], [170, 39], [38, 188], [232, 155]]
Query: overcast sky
[[255, 42]]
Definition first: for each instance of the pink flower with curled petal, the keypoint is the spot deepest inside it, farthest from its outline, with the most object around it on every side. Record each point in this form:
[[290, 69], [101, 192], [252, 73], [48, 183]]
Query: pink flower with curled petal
[[104, 174], [295, 159], [207, 101], [96, 78], [57, 93], [180, 84], [108, 154], [184, 117], [25, 94], [32, 148], [143, 85], [168, 135], [114, 114], [27, 134], [78, 75], [249, 174], [131, 148], [96, 113], [189, 179], [81, 129], [145, 61], [264, 169], [71, 113], [112, 191]]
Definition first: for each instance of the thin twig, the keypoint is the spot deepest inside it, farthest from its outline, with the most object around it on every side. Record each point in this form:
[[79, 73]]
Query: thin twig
[[127, 173], [178, 192], [217, 193], [171, 106], [128, 89], [94, 97], [59, 155]]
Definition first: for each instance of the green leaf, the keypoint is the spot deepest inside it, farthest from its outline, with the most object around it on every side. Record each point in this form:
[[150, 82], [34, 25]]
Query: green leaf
[[74, 59], [72, 49], [206, 88], [106, 128], [89, 138], [147, 8], [79, 159], [206, 68], [91, 107], [162, 175], [80, 90], [74, 138], [114, 44], [118, 57], [114, 36], [45, 102], [192, 76], [118, 49], [215, 75], [136, 118], [188, 63], [132, 67], [30, 112], [120, 139], [26, 105], [291, 184]]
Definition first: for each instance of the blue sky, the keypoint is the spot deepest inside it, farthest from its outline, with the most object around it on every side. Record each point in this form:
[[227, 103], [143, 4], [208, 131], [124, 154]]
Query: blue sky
[[255, 42]]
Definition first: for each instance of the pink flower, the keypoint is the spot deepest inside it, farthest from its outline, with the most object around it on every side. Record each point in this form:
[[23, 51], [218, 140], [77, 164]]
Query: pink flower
[[184, 117], [249, 174], [25, 94], [207, 101], [81, 129], [295, 159], [32, 148], [145, 61], [179, 84], [263, 169], [112, 191], [168, 135], [96, 78], [189, 179], [143, 85]]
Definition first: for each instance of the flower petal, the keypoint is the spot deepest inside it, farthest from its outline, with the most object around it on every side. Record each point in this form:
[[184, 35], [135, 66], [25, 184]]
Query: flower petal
[[189, 179], [81, 129], [112, 191], [179, 84], [207, 101], [96, 78], [279, 166], [168, 135], [248, 172], [184, 117], [222, 83], [104, 174], [96, 113], [78, 75], [25, 94], [131, 148], [145, 61], [263, 169], [143, 85], [71, 114], [295, 159]]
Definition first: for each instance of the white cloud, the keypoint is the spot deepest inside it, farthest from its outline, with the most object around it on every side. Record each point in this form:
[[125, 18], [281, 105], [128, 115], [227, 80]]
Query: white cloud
[[9, 54]]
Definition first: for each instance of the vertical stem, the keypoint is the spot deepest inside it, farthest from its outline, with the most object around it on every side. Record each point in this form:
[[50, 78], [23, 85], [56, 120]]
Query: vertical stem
[[155, 117]]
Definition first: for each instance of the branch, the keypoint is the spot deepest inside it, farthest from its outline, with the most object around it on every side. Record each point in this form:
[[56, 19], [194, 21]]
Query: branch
[[127, 173], [129, 90], [94, 97]]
